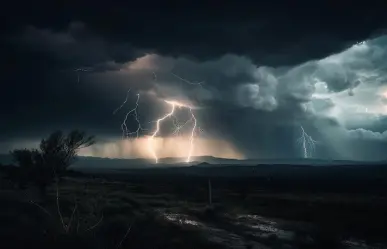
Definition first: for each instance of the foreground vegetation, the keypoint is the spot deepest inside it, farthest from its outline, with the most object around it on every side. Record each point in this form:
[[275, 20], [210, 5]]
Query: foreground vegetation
[[90, 215], [45, 205], [103, 213]]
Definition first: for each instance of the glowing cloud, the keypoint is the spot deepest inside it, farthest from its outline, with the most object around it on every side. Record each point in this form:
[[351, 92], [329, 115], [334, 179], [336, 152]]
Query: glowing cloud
[[164, 147]]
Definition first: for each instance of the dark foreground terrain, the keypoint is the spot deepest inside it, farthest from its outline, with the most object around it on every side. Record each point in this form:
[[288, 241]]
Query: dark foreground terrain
[[264, 207]]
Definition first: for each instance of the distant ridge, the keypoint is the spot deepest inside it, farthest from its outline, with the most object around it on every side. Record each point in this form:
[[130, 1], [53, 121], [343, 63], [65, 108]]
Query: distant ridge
[[204, 161], [203, 164]]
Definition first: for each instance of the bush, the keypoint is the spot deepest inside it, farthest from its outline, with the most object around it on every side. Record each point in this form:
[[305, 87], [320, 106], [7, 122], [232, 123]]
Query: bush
[[54, 156]]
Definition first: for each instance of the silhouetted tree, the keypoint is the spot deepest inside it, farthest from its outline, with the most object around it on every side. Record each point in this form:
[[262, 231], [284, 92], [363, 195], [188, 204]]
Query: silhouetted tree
[[59, 151], [54, 156]]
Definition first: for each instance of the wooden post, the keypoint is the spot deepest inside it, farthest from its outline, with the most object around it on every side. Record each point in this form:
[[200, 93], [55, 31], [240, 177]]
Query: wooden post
[[209, 192]]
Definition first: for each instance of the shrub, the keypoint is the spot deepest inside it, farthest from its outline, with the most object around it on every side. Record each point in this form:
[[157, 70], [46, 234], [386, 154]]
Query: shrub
[[54, 156]]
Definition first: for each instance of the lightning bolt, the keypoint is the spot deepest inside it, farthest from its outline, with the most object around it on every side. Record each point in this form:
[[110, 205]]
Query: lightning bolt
[[173, 105], [191, 139], [187, 81], [307, 142], [123, 103], [125, 131]]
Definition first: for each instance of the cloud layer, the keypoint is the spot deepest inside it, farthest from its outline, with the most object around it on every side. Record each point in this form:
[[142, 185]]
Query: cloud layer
[[252, 89]]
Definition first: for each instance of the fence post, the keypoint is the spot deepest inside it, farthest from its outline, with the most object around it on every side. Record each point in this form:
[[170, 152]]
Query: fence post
[[209, 192]]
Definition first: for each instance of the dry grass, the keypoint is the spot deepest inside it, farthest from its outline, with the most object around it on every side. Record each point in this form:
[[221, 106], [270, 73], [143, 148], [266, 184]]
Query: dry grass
[[84, 214]]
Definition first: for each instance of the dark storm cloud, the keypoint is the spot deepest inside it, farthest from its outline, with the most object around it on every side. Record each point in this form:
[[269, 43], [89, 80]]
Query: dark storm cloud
[[258, 63], [74, 47], [42, 91], [272, 33]]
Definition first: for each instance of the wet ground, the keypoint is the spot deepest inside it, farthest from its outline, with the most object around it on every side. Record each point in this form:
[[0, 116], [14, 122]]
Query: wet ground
[[231, 230], [251, 231], [213, 233]]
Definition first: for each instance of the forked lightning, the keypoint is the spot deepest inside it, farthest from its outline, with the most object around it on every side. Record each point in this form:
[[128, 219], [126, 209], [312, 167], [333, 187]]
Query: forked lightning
[[125, 131], [177, 126], [173, 105]]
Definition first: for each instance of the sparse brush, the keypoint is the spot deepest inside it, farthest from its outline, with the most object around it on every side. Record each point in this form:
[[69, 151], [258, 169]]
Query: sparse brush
[[80, 220], [77, 221]]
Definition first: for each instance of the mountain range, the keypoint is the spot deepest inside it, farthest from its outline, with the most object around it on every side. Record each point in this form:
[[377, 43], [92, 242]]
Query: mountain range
[[203, 161]]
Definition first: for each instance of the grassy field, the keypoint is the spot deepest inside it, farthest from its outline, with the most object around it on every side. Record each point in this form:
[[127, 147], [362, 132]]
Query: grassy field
[[173, 212]]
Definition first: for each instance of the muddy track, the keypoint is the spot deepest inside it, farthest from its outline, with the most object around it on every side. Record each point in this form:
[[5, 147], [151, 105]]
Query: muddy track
[[248, 231]]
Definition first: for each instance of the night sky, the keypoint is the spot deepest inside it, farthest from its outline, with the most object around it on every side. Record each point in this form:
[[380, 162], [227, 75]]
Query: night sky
[[269, 70]]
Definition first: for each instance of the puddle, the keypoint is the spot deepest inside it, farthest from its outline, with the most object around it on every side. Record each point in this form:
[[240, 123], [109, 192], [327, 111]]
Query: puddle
[[181, 219], [261, 227], [254, 226], [214, 234]]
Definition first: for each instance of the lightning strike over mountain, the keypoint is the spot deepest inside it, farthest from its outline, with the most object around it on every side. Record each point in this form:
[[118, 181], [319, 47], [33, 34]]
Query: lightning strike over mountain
[[173, 104], [307, 142], [151, 149]]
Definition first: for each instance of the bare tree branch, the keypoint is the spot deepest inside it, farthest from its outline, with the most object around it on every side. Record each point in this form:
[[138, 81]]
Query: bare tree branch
[[126, 235]]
